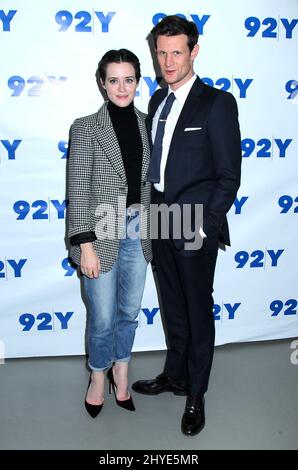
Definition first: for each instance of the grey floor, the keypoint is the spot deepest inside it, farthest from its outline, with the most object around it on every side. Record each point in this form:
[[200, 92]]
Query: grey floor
[[252, 403]]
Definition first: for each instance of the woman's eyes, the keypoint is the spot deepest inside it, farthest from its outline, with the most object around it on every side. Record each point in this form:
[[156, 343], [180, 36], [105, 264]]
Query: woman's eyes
[[114, 81]]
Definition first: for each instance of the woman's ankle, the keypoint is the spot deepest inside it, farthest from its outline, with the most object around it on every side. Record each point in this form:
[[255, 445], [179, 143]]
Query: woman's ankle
[[97, 376], [120, 373], [95, 392]]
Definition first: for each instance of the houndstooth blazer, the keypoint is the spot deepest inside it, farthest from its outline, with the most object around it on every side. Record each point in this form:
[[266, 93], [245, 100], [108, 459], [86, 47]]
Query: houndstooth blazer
[[96, 177]]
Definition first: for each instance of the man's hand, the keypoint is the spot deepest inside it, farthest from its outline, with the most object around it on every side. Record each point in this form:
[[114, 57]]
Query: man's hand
[[90, 264]]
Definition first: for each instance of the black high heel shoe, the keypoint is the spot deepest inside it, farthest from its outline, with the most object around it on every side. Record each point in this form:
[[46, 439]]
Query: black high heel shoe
[[93, 410], [126, 404]]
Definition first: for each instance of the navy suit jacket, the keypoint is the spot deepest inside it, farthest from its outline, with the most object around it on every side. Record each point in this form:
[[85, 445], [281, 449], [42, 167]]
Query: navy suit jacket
[[203, 166]]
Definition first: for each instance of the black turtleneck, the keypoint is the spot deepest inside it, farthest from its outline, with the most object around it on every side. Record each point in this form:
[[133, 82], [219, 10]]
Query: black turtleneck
[[126, 127]]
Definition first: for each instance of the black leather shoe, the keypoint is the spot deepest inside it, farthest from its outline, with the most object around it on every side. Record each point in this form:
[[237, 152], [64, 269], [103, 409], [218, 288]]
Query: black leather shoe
[[193, 419], [162, 383]]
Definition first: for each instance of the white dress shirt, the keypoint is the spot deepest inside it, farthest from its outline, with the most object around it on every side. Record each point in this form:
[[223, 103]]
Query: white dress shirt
[[180, 94]]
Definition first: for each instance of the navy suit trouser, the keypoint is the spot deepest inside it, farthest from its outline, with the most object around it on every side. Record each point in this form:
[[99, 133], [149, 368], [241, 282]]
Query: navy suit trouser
[[185, 291]]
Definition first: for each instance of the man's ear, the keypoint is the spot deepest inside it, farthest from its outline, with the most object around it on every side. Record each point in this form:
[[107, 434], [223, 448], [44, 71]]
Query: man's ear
[[195, 52]]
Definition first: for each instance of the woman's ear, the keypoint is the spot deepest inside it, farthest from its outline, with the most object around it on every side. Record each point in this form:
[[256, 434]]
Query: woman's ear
[[102, 84]]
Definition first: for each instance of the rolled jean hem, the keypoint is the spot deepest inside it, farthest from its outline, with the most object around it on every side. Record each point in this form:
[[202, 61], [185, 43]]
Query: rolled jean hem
[[125, 359], [100, 369]]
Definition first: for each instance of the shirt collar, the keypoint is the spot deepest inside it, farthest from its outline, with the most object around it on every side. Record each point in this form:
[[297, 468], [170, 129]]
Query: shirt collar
[[182, 92]]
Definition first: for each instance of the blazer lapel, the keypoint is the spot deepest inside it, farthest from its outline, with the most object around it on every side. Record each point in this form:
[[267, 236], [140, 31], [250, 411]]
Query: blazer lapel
[[105, 134], [145, 142]]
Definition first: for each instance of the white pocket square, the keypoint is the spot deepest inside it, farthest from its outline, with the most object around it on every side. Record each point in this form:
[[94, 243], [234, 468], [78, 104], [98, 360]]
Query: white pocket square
[[187, 129]]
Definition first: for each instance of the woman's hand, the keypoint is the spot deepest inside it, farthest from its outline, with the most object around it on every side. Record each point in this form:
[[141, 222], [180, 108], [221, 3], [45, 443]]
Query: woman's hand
[[90, 264]]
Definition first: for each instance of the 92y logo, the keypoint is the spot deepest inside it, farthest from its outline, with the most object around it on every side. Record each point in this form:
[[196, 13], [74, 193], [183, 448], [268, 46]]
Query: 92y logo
[[225, 310], [199, 22], [292, 88], [63, 147], [271, 27], [64, 19], [287, 202], [227, 84], [17, 84], [265, 148], [45, 321], [11, 268], [260, 258], [6, 19], [11, 147], [41, 209], [281, 307]]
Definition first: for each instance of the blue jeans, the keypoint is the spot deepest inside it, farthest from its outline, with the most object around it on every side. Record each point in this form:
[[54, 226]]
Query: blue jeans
[[114, 301]]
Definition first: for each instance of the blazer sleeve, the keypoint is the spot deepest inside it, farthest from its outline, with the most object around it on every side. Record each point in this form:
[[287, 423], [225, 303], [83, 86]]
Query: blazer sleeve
[[80, 164], [224, 134]]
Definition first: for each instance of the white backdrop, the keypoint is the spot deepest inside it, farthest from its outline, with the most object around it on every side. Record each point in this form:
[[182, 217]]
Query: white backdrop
[[49, 54]]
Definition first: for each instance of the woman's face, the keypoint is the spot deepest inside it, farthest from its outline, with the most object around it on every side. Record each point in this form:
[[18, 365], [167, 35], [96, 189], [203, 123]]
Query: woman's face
[[120, 83]]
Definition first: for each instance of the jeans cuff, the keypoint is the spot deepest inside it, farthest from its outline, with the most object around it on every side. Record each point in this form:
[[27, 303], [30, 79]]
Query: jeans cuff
[[100, 369], [124, 359]]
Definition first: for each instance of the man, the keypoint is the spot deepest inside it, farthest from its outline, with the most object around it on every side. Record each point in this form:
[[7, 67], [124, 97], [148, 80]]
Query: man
[[196, 159]]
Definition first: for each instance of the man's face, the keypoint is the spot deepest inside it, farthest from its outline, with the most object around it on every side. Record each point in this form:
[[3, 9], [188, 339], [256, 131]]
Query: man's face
[[175, 59]]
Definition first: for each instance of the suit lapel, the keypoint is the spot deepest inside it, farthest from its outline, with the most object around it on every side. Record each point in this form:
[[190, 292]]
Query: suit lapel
[[145, 142], [105, 134], [188, 108], [157, 100], [154, 103]]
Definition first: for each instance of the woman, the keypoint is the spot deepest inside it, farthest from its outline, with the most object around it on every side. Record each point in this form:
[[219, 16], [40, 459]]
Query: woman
[[108, 223]]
